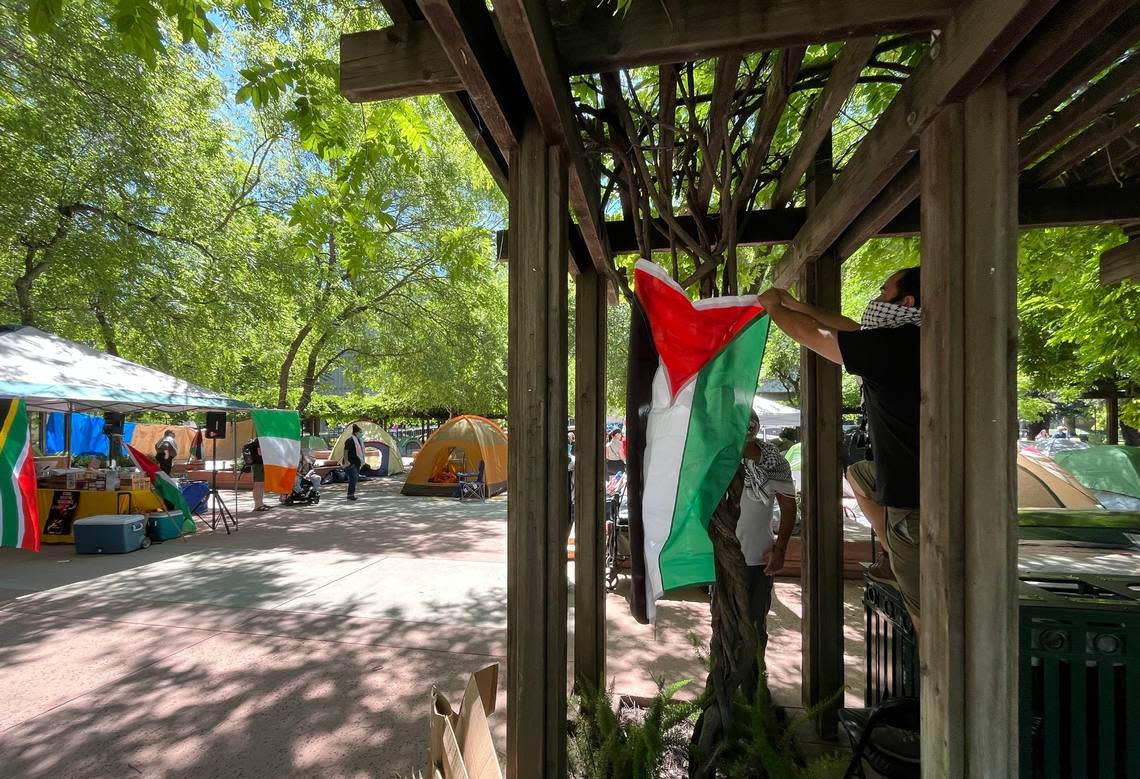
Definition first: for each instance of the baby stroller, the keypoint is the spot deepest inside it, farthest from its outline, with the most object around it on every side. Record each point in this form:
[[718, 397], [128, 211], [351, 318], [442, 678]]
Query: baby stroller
[[306, 487], [618, 559]]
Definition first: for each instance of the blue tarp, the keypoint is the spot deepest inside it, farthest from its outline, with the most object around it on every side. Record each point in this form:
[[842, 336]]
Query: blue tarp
[[86, 434]]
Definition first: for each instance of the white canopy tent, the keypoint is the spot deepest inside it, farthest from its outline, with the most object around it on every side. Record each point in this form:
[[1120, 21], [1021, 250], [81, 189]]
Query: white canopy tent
[[53, 374], [775, 415]]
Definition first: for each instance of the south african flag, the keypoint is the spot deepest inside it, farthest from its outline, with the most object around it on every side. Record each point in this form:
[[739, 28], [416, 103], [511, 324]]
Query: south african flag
[[19, 514]]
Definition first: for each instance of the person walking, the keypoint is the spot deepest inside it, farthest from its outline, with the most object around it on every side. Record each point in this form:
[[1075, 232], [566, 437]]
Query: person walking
[[353, 459]]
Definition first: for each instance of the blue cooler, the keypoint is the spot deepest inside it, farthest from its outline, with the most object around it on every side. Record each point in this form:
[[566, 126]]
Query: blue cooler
[[110, 534], [164, 525]]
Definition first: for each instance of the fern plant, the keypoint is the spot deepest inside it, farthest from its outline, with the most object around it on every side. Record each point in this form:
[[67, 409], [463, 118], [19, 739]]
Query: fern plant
[[603, 746]]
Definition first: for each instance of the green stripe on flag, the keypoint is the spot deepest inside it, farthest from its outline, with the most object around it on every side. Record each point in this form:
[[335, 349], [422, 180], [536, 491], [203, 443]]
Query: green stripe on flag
[[13, 439], [277, 423], [722, 402]]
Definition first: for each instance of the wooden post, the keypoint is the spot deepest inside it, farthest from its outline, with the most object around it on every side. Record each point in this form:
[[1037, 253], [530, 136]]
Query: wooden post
[[537, 505], [589, 481], [822, 534], [968, 543], [1112, 419]]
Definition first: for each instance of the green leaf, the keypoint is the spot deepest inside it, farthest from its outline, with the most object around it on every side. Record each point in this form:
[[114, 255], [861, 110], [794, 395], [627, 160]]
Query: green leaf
[[43, 15]]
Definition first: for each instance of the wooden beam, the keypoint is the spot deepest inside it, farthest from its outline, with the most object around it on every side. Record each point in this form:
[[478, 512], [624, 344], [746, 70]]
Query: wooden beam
[[1102, 50], [530, 38], [1063, 32], [817, 122], [978, 38], [467, 115], [821, 572], [968, 529], [404, 60], [537, 513], [1121, 263], [1046, 207], [591, 38], [467, 34], [589, 481], [1117, 122], [883, 210], [1106, 166], [1102, 96]]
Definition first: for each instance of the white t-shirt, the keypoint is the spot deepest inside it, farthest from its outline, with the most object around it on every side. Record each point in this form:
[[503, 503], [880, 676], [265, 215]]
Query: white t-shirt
[[754, 529], [613, 450]]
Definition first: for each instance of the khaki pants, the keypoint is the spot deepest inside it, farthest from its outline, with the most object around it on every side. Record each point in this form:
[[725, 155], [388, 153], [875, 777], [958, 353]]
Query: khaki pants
[[902, 536]]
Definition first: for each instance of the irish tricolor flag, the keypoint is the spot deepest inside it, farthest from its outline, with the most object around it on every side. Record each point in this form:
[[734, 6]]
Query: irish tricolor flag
[[692, 378], [279, 433], [19, 513], [163, 485]]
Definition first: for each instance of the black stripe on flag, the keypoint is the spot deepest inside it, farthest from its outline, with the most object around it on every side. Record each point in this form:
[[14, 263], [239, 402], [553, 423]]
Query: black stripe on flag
[[643, 365]]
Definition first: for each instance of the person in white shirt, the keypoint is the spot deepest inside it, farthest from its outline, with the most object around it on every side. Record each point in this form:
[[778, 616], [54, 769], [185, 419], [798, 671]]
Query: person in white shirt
[[767, 481], [615, 456]]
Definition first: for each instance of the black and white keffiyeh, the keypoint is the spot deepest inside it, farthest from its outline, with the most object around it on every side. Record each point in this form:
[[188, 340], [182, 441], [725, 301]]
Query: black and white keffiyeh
[[879, 314], [770, 474]]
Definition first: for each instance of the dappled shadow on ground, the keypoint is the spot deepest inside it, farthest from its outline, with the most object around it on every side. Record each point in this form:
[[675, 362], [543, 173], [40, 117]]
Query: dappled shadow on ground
[[206, 703]]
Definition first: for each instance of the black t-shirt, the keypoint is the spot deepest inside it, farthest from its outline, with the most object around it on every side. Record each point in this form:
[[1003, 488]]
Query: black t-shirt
[[887, 359]]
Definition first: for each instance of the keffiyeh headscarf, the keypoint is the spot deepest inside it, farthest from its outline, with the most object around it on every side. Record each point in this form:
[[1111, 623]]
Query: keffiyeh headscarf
[[770, 474], [881, 314]]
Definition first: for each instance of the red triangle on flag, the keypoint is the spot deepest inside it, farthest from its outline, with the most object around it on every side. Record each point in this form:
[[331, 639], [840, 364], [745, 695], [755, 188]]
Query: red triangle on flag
[[144, 463], [688, 334]]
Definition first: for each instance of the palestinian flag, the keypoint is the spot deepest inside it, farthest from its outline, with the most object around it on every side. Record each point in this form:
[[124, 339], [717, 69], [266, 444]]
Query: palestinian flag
[[164, 486], [693, 368], [19, 512], [279, 433]]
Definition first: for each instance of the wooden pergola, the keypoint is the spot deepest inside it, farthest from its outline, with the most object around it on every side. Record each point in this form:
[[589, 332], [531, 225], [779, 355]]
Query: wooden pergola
[[1021, 113]]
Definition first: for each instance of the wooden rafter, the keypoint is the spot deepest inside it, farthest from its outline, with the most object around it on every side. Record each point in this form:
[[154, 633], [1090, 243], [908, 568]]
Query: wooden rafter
[[592, 39], [1049, 207], [1102, 96], [1065, 30], [877, 217], [1102, 50], [818, 120], [1118, 122], [526, 27], [978, 38], [468, 35]]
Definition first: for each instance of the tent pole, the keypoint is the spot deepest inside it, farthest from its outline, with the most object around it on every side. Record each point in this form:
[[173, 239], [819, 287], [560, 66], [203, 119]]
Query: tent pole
[[67, 434]]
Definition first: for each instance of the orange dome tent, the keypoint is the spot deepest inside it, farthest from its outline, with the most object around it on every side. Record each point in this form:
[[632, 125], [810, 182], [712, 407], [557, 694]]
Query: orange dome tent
[[458, 446]]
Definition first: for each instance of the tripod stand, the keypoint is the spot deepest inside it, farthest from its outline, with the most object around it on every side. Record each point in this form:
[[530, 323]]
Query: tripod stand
[[218, 507]]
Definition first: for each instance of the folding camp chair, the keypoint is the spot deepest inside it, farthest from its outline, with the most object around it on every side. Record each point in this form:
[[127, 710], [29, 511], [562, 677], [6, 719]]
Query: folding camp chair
[[472, 484]]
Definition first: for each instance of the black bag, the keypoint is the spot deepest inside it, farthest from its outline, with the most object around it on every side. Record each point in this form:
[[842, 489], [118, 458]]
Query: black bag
[[857, 444]]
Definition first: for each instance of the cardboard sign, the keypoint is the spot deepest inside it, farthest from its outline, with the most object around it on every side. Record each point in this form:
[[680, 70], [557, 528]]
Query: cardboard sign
[[461, 743]]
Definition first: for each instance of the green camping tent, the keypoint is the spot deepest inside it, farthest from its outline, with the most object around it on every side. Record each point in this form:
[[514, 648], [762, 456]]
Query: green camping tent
[[1106, 468], [385, 456]]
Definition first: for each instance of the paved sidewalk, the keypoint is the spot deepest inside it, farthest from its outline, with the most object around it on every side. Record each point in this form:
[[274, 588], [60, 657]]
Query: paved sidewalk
[[304, 644]]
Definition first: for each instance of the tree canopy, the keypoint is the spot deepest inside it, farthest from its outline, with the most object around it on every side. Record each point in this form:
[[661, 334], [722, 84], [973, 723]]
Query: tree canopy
[[187, 188]]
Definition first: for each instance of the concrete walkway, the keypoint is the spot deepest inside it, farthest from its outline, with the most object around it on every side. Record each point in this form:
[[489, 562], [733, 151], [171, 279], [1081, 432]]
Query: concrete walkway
[[303, 644]]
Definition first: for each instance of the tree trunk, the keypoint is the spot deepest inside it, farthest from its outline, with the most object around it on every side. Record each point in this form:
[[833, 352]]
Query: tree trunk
[[287, 365], [106, 327], [734, 671]]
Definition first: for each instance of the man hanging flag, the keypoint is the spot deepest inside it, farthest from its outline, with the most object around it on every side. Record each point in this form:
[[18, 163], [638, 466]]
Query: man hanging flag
[[693, 368], [163, 485], [279, 433], [19, 512]]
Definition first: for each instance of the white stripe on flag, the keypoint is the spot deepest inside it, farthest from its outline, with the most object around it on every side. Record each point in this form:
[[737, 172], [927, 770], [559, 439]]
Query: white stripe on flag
[[666, 431], [282, 452], [19, 509]]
